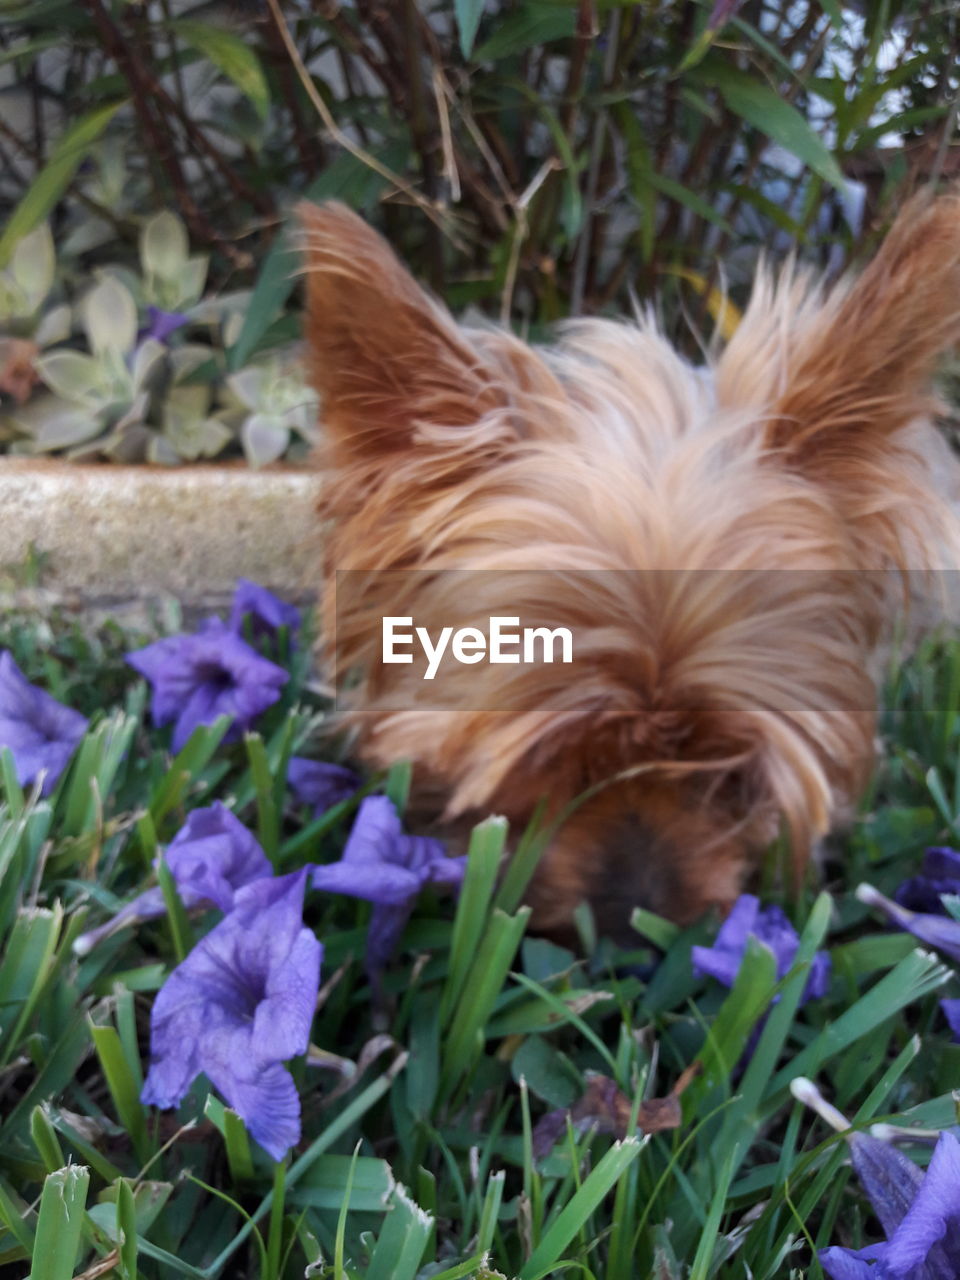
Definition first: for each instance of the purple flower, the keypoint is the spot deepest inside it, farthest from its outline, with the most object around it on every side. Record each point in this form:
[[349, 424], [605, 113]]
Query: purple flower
[[385, 866], [319, 784], [935, 931], [919, 1213], [772, 928], [238, 1007], [198, 677], [210, 858], [266, 612], [163, 323], [951, 1011], [40, 732], [940, 874]]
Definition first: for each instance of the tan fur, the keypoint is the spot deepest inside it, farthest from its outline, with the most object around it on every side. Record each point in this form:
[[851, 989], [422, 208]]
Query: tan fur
[[709, 706]]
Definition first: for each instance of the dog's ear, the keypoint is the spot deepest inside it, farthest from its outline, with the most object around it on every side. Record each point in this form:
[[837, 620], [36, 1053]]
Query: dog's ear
[[862, 368], [834, 378], [383, 356]]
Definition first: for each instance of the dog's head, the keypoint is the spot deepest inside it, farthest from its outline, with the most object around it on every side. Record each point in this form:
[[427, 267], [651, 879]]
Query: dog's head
[[718, 540]]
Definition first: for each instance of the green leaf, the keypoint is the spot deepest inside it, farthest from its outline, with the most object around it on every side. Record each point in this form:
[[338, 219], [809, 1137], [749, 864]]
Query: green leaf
[[918, 975], [347, 179], [397, 786], [34, 265], [122, 1083], [110, 318], [164, 246], [571, 1219], [45, 1140], [229, 54], [235, 1138], [181, 934], [484, 982], [186, 767], [532, 24], [662, 933], [487, 841], [25, 967], [468, 14], [730, 1030], [324, 1184], [760, 105], [268, 818], [62, 1203], [549, 1073], [13, 1215], [55, 176], [402, 1241], [127, 1229]]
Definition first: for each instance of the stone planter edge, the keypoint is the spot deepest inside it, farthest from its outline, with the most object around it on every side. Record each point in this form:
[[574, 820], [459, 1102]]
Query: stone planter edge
[[132, 533]]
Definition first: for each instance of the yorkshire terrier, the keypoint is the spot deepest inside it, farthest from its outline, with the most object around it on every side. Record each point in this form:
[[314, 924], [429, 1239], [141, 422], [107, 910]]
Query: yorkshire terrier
[[729, 545]]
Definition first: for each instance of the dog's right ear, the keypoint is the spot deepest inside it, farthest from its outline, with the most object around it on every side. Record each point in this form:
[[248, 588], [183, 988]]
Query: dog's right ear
[[383, 356]]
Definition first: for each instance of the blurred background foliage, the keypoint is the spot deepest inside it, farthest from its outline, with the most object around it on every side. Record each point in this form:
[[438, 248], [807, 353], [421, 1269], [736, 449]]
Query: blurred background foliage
[[530, 158]]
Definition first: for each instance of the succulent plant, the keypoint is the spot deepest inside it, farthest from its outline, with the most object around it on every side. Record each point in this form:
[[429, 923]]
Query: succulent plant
[[173, 281], [26, 325], [275, 405], [145, 379], [189, 427], [101, 396]]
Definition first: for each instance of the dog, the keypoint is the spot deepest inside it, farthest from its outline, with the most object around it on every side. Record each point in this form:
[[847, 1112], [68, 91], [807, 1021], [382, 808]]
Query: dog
[[730, 545]]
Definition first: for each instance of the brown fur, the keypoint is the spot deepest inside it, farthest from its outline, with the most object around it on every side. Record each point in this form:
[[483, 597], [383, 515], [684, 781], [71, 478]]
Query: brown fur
[[708, 706]]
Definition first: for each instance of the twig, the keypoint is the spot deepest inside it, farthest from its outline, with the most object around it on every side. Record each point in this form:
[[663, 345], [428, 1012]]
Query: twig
[[939, 159], [450, 172], [337, 134], [586, 33], [307, 146], [143, 90], [582, 256], [520, 234]]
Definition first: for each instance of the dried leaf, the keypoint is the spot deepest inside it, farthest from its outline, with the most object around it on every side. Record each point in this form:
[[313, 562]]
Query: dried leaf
[[17, 374], [607, 1108]]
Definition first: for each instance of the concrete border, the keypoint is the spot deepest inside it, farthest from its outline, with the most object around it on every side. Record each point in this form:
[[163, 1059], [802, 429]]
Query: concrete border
[[120, 534]]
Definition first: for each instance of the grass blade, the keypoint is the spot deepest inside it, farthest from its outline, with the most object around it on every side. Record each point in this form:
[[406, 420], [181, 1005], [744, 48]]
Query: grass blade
[[582, 1204], [60, 1223]]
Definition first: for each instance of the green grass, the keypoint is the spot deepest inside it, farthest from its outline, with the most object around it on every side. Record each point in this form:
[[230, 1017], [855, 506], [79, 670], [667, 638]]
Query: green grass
[[417, 1158]]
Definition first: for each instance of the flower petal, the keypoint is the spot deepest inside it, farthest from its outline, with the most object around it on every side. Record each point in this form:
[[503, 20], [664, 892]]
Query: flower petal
[[205, 1015], [213, 672], [935, 931], [932, 1223], [951, 1011], [212, 855], [283, 1019], [851, 1264], [722, 961], [319, 784], [266, 611], [40, 732], [372, 881], [369, 867], [265, 1098], [387, 924], [890, 1180], [940, 874]]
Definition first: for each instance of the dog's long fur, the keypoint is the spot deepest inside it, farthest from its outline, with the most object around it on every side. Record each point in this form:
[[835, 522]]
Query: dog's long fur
[[723, 704]]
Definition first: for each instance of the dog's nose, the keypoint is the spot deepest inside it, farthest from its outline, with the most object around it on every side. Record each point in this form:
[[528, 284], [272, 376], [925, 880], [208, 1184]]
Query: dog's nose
[[635, 868]]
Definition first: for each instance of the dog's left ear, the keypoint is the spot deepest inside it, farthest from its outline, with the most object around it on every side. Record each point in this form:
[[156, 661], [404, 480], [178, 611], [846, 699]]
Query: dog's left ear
[[837, 375], [383, 355], [863, 368]]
